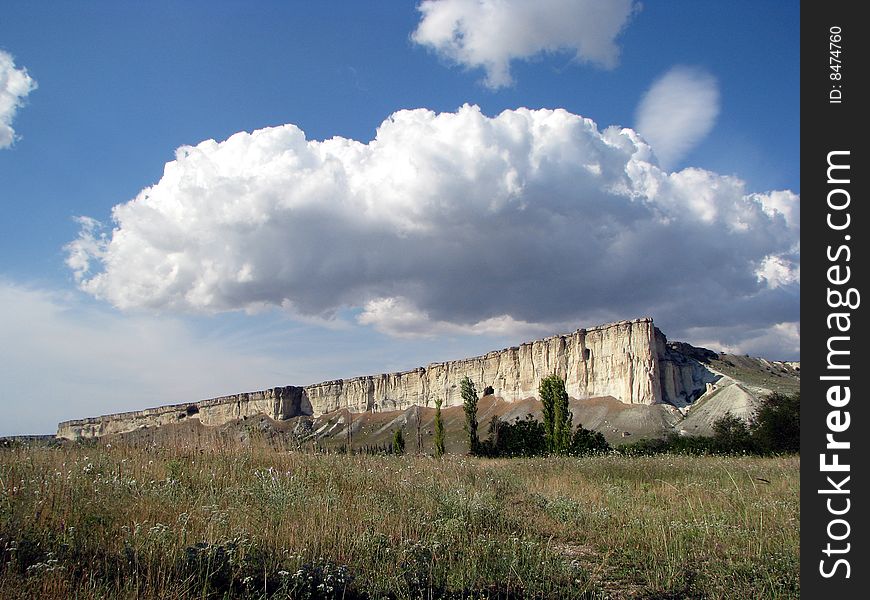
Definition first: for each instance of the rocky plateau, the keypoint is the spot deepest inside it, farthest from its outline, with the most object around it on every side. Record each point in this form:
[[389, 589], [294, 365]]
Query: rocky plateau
[[624, 378]]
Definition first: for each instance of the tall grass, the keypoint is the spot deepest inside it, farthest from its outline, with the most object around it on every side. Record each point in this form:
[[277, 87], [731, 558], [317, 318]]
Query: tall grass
[[116, 521]]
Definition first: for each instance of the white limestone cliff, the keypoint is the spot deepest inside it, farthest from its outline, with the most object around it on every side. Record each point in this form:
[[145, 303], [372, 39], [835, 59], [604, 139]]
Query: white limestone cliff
[[628, 360]]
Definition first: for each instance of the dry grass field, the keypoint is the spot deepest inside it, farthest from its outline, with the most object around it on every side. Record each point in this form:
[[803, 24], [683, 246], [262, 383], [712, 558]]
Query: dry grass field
[[116, 521]]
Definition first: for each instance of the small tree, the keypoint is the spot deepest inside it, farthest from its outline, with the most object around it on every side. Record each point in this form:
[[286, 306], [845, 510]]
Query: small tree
[[776, 428], [731, 435], [469, 401], [439, 430], [557, 418], [398, 442], [548, 410], [562, 420], [492, 446]]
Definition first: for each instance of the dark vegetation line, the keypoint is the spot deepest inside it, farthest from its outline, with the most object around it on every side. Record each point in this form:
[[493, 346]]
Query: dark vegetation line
[[773, 430]]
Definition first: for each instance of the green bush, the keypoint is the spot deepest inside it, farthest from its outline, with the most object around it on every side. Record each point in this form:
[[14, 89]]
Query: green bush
[[522, 437], [731, 435], [585, 441], [776, 428], [398, 442], [527, 437]]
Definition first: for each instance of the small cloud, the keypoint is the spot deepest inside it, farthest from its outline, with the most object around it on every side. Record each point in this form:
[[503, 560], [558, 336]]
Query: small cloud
[[677, 112], [398, 317], [778, 271], [15, 85], [90, 244], [490, 34]]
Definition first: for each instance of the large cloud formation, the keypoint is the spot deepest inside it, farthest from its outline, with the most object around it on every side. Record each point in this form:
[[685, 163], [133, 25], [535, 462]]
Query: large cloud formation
[[489, 34], [15, 85], [677, 112], [451, 220]]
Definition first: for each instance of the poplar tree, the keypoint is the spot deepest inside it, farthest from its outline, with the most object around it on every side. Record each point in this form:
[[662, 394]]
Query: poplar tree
[[557, 417], [439, 430], [469, 401]]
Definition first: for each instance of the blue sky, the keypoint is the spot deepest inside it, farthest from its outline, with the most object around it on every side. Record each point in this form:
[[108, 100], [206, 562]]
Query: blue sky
[[272, 261]]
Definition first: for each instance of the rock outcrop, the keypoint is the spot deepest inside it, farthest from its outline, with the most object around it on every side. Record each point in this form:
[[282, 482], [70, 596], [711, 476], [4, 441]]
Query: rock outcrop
[[630, 361], [278, 403], [684, 373]]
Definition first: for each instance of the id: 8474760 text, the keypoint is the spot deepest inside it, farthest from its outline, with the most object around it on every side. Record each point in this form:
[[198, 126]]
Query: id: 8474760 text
[[835, 64]]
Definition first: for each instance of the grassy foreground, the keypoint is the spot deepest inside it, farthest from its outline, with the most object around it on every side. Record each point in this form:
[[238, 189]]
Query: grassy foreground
[[121, 522]]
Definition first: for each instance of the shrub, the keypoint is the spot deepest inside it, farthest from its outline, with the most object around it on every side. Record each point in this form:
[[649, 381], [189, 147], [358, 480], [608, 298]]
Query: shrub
[[731, 435], [398, 442], [522, 437], [585, 441], [645, 447], [776, 428], [672, 444]]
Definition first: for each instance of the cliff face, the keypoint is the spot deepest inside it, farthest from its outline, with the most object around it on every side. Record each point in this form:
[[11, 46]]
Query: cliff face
[[616, 360], [684, 377], [278, 403], [629, 360]]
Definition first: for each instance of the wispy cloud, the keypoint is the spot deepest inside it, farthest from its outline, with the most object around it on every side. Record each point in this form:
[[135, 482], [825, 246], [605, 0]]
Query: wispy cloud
[[677, 112], [490, 34], [15, 85], [781, 341], [62, 358]]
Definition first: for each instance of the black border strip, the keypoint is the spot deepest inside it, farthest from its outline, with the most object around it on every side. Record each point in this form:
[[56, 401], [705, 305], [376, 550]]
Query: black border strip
[[833, 107]]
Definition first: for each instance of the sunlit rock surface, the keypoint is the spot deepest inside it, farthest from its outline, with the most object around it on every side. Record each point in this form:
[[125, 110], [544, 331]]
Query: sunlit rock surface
[[630, 361]]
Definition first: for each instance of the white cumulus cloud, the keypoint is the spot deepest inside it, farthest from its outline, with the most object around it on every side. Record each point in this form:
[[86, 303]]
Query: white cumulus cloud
[[489, 34], [677, 112], [779, 270], [15, 85], [521, 222]]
